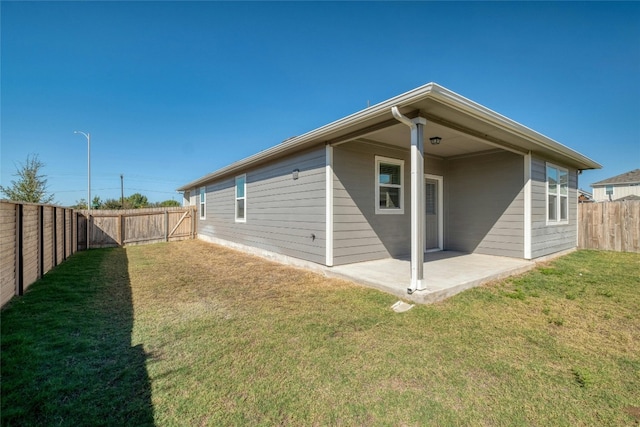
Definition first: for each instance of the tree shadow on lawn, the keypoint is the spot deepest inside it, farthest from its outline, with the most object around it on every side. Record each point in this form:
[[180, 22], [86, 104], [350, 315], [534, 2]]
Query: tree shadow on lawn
[[66, 348]]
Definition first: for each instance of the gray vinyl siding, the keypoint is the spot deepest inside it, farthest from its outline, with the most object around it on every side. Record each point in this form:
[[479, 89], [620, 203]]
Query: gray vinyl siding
[[282, 214], [548, 239], [485, 210], [359, 233]]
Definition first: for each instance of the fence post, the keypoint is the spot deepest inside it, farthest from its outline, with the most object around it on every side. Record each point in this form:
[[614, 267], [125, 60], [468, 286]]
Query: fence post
[[73, 249], [54, 235], [166, 225], [19, 251], [41, 241], [64, 234]]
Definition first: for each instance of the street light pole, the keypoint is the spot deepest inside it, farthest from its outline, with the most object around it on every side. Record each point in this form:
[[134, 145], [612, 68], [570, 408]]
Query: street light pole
[[88, 136]]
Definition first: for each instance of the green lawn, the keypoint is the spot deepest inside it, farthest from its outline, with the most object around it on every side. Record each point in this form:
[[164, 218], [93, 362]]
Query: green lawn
[[193, 334]]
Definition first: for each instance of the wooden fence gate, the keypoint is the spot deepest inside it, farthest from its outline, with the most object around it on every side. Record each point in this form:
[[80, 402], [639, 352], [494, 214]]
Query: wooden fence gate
[[109, 228]]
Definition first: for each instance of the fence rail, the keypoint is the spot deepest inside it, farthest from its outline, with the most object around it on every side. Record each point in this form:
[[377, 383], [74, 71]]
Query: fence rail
[[35, 238], [612, 226]]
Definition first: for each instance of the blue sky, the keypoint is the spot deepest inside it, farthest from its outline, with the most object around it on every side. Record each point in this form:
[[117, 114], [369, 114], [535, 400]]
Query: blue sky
[[171, 91]]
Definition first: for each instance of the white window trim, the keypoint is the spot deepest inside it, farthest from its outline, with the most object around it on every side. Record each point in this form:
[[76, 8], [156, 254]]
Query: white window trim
[[235, 189], [557, 221], [202, 191], [388, 160]]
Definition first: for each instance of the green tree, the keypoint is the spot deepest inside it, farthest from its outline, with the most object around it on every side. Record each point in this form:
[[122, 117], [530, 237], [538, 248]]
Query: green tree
[[137, 200], [31, 185], [96, 203], [111, 204], [168, 203], [80, 204]]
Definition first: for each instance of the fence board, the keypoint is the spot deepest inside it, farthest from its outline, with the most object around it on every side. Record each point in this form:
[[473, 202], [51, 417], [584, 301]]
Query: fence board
[[613, 226], [31, 245], [7, 252], [47, 236]]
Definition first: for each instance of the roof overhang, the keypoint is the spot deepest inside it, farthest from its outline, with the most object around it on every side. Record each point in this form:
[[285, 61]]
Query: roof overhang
[[438, 105]]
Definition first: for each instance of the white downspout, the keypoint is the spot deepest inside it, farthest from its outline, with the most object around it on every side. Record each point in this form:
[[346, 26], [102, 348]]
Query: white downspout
[[417, 198]]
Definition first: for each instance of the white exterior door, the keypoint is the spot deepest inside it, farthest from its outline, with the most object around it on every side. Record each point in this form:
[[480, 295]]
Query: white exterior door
[[433, 213]]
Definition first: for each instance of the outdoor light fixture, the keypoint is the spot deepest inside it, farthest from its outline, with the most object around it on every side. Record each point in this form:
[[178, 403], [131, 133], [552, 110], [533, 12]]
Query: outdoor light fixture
[[435, 140], [295, 173]]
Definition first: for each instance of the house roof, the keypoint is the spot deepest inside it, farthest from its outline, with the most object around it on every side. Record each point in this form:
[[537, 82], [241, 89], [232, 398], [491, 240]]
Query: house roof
[[631, 177], [629, 197], [445, 111], [584, 193]]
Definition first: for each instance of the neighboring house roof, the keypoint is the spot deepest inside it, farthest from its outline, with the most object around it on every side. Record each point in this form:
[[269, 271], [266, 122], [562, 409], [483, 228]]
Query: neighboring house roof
[[632, 177], [584, 195], [438, 105], [629, 197]]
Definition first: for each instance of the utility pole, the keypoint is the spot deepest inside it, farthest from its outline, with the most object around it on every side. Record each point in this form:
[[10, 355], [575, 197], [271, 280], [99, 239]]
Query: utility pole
[[122, 191]]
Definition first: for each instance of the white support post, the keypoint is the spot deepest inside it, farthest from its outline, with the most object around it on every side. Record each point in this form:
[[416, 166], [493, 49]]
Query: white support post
[[417, 204], [527, 206], [329, 206]]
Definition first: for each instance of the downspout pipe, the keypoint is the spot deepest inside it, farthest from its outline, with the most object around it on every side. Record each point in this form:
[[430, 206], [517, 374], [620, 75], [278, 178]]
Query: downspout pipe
[[417, 198], [402, 119]]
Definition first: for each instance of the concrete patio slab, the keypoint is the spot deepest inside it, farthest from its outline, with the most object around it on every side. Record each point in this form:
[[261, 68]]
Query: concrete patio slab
[[446, 274]]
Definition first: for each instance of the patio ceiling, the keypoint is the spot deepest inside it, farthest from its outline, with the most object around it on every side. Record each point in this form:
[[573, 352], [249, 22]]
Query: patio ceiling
[[453, 144]]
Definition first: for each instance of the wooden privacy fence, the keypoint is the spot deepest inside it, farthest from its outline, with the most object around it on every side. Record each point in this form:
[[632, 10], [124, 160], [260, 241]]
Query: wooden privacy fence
[[35, 238], [110, 228], [612, 226]]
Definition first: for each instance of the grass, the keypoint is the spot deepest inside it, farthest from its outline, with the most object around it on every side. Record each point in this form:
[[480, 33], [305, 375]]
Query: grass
[[193, 334]]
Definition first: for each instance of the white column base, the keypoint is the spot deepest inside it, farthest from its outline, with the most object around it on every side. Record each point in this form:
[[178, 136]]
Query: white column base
[[417, 285]]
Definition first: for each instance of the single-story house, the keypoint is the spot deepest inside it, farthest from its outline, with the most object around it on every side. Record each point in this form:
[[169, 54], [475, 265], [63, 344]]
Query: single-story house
[[427, 170], [619, 187]]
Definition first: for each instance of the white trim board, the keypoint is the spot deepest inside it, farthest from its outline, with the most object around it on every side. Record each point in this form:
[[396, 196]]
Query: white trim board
[[440, 180], [329, 205]]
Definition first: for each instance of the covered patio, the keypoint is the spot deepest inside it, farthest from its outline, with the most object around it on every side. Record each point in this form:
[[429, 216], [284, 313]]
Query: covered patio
[[446, 273]]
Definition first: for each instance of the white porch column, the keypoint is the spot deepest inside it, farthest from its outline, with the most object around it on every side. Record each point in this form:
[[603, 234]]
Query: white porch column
[[417, 204]]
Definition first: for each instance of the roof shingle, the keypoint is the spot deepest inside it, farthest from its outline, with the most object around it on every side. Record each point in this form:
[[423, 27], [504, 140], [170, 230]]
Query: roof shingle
[[631, 177]]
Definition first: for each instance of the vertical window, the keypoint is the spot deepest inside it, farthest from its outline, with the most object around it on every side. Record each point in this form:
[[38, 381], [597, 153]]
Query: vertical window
[[203, 204], [241, 198], [389, 186], [557, 194]]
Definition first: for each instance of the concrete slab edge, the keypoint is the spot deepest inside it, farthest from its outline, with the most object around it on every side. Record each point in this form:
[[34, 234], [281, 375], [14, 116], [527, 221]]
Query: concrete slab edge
[[424, 297]]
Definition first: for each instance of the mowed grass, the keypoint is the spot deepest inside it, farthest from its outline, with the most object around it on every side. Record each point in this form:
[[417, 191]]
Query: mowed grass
[[194, 334]]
